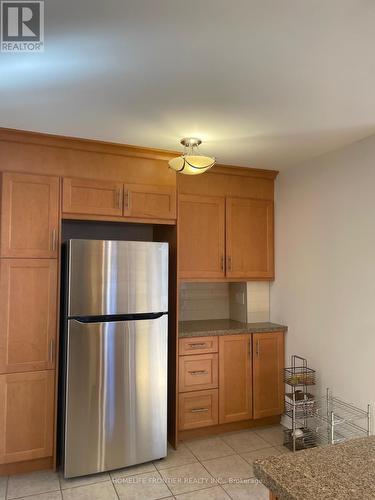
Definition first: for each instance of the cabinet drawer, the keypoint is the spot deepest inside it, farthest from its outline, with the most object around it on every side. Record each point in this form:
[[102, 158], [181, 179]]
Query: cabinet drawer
[[198, 372], [198, 345], [198, 409]]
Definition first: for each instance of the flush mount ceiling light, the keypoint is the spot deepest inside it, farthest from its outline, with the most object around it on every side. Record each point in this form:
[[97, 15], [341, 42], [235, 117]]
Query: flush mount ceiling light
[[191, 162]]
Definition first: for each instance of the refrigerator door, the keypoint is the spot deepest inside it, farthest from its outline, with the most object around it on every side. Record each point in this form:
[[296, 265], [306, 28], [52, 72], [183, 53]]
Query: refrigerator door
[[116, 398], [117, 277]]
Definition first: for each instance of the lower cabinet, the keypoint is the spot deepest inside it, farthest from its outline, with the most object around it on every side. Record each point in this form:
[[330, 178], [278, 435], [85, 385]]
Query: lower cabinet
[[26, 415], [231, 378], [235, 378], [268, 364], [198, 372], [198, 409]]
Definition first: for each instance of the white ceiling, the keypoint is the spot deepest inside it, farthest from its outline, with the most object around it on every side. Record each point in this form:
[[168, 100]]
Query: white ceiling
[[265, 83]]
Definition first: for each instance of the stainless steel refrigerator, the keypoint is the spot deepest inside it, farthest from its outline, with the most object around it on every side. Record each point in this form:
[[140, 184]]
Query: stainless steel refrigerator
[[115, 367]]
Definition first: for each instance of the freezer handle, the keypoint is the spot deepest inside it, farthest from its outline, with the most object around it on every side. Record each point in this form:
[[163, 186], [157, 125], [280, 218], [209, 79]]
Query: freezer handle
[[110, 318]]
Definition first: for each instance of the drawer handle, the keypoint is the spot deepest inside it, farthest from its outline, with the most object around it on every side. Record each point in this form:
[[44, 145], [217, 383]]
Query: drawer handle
[[199, 372], [199, 410], [198, 345]]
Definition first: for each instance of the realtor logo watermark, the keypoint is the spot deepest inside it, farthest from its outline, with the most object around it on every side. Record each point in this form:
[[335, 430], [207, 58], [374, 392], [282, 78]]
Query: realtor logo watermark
[[22, 26]]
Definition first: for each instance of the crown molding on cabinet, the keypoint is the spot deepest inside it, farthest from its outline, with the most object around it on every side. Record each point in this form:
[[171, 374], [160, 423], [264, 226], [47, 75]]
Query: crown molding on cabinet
[[94, 146]]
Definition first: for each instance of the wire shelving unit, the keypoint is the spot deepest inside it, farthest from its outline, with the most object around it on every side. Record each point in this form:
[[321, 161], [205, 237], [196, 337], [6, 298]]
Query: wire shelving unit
[[318, 421]]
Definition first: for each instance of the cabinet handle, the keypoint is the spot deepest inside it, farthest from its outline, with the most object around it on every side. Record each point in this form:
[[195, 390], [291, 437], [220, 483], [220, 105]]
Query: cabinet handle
[[118, 198], [127, 200], [250, 347], [199, 410], [199, 372], [258, 348], [229, 263], [51, 350], [53, 240], [198, 345], [222, 262]]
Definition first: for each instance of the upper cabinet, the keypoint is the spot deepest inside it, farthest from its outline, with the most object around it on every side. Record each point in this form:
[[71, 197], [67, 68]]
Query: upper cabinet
[[145, 201], [29, 216], [201, 236], [115, 199], [249, 238], [230, 238], [226, 225], [94, 197]]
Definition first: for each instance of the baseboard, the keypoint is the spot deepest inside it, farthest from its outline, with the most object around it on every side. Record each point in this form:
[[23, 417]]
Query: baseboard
[[26, 466], [232, 427]]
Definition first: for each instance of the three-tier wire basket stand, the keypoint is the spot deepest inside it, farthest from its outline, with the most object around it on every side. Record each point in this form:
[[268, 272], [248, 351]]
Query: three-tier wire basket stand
[[317, 421]]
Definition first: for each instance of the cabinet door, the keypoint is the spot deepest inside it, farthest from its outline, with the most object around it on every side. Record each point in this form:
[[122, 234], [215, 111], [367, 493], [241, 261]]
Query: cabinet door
[[268, 365], [28, 301], [201, 236], [150, 202], [235, 386], [26, 416], [249, 238], [30, 215], [92, 197]]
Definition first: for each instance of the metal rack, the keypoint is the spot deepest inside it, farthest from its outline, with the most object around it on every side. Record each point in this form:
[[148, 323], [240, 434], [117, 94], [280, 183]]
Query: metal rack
[[318, 421], [343, 420], [300, 405]]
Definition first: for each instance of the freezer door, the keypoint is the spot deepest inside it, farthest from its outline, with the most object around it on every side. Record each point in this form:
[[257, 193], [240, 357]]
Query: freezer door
[[116, 397], [117, 277]]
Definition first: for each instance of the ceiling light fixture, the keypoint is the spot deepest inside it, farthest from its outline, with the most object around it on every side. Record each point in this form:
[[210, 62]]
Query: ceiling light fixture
[[191, 162]]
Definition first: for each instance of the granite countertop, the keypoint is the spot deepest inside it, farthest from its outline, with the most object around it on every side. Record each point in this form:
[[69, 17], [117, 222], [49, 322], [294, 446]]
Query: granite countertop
[[343, 471], [224, 327]]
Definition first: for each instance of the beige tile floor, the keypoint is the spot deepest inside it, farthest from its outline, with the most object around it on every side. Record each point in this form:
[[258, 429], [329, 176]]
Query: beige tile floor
[[214, 468]]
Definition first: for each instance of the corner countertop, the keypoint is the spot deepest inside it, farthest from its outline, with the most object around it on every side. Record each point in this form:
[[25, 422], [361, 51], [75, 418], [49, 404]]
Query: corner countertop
[[224, 327], [344, 471]]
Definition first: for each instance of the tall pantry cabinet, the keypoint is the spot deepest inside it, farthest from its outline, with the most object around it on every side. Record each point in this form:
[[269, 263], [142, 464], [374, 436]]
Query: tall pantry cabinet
[[29, 253]]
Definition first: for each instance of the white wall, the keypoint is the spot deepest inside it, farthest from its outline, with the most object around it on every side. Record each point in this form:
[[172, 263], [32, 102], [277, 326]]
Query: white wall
[[325, 267]]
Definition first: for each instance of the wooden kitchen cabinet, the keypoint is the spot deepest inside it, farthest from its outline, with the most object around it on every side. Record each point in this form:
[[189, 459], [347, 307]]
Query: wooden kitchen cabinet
[[268, 365], [198, 345], [92, 197], [28, 309], [198, 372], [249, 238], [145, 201], [109, 198], [235, 378], [26, 416], [201, 236], [198, 409], [29, 216]]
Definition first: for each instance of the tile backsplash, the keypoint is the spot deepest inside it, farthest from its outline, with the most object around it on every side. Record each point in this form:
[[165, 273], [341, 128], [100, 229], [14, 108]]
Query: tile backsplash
[[203, 301], [245, 302], [258, 301]]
